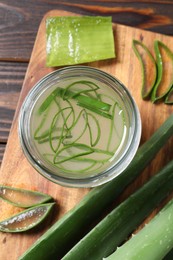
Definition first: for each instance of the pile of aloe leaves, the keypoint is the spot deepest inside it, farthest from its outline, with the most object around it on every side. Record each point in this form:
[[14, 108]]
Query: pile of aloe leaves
[[157, 73]]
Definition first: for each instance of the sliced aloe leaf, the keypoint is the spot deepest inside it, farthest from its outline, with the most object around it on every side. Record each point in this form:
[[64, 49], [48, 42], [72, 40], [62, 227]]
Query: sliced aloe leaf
[[169, 97], [87, 86], [73, 151], [82, 117], [148, 67], [93, 123], [26, 219], [74, 40], [164, 59], [21, 197]]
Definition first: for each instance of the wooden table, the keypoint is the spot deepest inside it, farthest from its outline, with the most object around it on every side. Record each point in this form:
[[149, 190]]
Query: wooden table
[[20, 21], [19, 24]]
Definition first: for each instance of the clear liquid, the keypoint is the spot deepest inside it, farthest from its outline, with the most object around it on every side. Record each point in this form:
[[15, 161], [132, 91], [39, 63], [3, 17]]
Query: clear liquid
[[57, 144]]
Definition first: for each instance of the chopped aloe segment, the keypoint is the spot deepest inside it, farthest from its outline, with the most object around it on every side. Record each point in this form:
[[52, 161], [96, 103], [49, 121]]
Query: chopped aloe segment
[[48, 101], [21, 197], [95, 110], [26, 219], [148, 67], [164, 58], [88, 86], [82, 99], [169, 97], [73, 151], [74, 40], [93, 123]]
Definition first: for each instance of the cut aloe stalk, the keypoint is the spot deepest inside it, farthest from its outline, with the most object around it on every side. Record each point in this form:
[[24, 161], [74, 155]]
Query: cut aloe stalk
[[26, 219], [164, 59], [21, 197], [154, 241], [73, 40], [148, 68]]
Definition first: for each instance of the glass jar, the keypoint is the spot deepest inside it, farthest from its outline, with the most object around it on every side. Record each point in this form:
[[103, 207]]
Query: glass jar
[[79, 127]]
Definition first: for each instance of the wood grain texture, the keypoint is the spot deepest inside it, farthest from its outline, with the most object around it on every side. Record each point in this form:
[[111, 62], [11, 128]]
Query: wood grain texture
[[16, 171], [11, 75], [20, 19], [19, 22]]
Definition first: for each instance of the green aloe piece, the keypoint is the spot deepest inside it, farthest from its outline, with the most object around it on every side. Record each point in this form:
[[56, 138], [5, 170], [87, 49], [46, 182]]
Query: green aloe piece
[[147, 62], [91, 103], [73, 40], [164, 59], [21, 197], [81, 149], [169, 97], [26, 219], [154, 241]]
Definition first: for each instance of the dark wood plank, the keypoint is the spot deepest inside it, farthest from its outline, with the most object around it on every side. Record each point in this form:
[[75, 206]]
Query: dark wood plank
[[2, 149], [20, 19], [11, 80]]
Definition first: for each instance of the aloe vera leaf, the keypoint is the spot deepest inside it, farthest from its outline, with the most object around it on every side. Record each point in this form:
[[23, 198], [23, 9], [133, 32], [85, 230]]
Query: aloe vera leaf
[[86, 100], [63, 129], [26, 219], [74, 40], [82, 149], [75, 138], [91, 163], [154, 241], [93, 139], [66, 232], [95, 110], [85, 154], [92, 102], [164, 59], [85, 83], [147, 62], [105, 237], [169, 255], [21, 197], [82, 99], [46, 139], [48, 101], [169, 97], [116, 112]]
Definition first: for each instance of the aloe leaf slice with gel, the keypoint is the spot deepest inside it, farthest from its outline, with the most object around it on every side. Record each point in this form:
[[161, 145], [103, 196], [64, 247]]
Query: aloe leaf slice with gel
[[148, 67], [78, 39], [164, 60], [26, 219], [21, 197]]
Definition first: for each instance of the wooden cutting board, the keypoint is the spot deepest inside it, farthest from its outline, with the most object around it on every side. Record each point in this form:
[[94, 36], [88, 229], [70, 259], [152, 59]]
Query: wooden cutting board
[[17, 172]]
